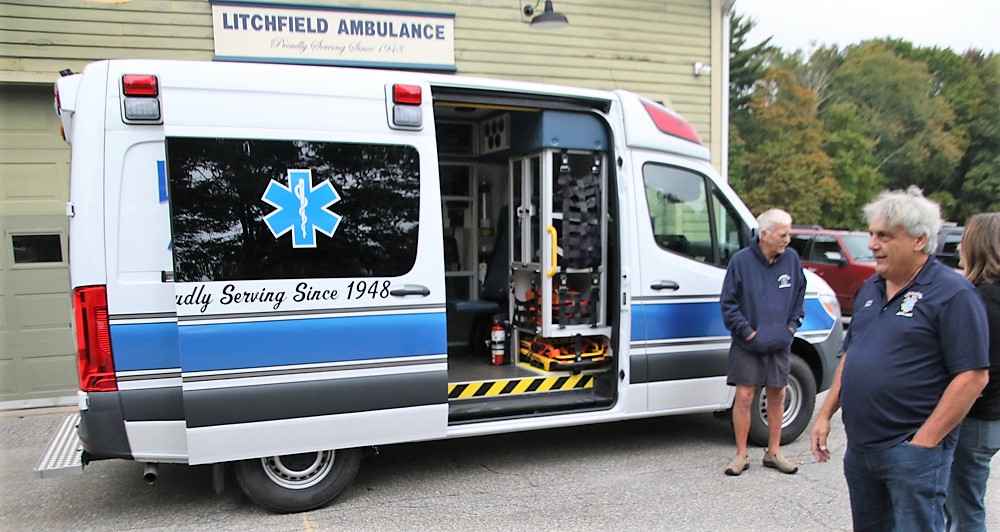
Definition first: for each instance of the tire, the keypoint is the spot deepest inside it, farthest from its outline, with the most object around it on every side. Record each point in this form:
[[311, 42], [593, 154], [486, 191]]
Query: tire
[[800, 399], [297, 482]]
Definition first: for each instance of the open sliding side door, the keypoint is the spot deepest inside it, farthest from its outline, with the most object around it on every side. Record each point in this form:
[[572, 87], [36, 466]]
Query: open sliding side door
[[309, 278]]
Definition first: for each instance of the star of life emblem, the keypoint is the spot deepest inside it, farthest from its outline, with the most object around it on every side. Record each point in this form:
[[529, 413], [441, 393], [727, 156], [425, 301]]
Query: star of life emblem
[[302, 208], [908, 303]]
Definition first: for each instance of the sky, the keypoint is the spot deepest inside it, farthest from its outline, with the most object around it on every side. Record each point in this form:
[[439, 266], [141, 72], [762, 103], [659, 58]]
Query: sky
[[796, 24]]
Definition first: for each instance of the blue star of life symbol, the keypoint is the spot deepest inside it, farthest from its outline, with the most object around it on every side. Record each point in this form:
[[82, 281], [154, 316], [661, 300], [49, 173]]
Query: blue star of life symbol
[[302, 208]]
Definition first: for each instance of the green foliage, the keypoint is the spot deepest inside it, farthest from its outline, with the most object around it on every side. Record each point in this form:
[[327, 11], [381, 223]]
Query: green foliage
[[884, 113], [785, 163], [915, 143], [747, 63], [853, 161]]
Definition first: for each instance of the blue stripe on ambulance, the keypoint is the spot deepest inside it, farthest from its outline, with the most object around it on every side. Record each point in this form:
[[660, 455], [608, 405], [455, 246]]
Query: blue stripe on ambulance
[[213, 347], [143, 346], [667, 321], [667, 331]]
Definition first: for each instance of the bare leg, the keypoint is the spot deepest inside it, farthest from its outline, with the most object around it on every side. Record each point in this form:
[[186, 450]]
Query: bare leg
[[741, 417], [775, 412]]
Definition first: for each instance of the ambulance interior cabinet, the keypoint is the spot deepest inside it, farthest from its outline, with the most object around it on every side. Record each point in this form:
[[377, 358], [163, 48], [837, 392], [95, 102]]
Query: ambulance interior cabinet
[[559, 243]]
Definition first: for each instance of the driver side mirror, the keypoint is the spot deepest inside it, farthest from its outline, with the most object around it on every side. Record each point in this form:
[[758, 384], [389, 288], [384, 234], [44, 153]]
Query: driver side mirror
[[836, 257]]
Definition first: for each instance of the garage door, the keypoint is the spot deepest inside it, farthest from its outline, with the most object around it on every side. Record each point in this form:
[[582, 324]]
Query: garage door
[[37, 363]]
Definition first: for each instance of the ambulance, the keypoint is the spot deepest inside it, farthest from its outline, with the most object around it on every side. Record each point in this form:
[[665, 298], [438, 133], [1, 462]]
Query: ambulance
[[276, 268]]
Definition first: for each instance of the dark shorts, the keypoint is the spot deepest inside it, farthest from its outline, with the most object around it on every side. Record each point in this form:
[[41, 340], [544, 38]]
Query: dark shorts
[[749, 369]]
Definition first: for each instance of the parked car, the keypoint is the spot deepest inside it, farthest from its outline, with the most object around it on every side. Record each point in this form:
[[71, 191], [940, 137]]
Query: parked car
[[947, 244], [841, 258]]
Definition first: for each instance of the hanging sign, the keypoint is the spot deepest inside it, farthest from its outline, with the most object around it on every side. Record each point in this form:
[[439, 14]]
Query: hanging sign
[[274, 33]]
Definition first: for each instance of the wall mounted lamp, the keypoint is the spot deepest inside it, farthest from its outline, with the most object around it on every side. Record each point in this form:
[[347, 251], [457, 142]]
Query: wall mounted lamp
[[701, 68], [548, 20]]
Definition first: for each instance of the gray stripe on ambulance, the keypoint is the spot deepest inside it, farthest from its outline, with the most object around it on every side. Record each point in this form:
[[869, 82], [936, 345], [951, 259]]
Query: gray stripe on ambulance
[[165, 316], [153, 404], [269, 402], [318, 368], [660, 367]]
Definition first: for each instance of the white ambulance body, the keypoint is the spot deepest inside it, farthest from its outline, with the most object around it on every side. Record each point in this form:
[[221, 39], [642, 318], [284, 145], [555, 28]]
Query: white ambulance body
[[276, 266]]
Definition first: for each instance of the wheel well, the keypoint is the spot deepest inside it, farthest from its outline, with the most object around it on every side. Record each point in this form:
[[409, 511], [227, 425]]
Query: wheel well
[[810, 356]]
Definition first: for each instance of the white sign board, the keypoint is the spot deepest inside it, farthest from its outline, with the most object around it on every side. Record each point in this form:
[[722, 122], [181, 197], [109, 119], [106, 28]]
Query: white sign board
[[332, 36]]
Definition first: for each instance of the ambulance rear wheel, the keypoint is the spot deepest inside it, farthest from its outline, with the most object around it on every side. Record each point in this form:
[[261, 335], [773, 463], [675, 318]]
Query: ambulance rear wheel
[[800, 398], [297, 482]]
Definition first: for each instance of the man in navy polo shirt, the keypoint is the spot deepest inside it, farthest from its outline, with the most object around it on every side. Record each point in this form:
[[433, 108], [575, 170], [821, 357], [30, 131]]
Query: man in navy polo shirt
[[915, 359]]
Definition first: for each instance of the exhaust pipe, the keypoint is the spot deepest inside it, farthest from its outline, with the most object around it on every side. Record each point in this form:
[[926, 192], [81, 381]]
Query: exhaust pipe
[[151, 471]]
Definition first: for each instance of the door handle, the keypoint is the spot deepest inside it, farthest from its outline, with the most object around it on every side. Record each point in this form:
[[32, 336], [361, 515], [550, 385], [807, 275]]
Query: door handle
[[410, 290], [665, 285]]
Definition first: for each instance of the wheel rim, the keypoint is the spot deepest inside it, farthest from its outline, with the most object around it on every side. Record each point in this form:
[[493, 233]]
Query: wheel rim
[[793, 402], [298, 471]]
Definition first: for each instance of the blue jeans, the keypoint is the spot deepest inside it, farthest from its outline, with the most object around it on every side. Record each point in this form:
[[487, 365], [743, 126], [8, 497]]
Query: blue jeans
[[900, 488], [978, 441]]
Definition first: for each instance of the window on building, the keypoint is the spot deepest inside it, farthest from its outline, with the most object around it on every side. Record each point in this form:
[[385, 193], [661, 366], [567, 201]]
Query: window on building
[[34, 249]]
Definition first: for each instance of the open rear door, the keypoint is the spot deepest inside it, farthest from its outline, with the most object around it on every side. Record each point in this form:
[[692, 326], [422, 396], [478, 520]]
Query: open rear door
[[309, 283]]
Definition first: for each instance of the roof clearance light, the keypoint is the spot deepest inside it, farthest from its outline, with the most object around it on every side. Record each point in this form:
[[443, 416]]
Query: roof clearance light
[[671, 124], [406, 94], [140, 85]]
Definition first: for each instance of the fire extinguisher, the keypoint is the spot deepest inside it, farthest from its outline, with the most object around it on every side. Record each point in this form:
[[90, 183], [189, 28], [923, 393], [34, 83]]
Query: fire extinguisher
[[498, 337]]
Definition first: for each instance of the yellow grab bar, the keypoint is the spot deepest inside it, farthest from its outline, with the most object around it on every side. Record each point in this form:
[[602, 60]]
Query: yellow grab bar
[[555, 258]]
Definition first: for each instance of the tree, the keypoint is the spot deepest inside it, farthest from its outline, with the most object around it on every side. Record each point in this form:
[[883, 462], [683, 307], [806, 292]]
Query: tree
[[981, 186], [853, 162], [747, 64], [911, 125], [815, 72], [785, 164]]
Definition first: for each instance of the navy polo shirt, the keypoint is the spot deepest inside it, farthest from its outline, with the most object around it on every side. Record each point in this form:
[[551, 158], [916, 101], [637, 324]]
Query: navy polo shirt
[[903, 353]]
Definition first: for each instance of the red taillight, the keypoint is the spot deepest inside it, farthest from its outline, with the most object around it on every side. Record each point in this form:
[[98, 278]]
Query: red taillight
[[139, 85], [95, 363], [671, 124], [406, 94]]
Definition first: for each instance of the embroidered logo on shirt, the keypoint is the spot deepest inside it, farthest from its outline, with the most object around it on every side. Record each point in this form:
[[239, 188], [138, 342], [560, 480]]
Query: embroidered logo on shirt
[[868, 303], [784, 281], [909, 301]]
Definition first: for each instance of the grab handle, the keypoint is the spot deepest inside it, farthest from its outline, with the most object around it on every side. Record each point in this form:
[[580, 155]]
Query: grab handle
[[555, 257]]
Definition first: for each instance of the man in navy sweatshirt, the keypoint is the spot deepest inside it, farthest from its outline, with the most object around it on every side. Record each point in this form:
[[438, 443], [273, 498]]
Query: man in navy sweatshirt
[[762, 307]]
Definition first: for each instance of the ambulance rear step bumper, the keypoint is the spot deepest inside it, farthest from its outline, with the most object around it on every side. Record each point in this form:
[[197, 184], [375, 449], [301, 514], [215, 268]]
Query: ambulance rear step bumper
[[64, 454]]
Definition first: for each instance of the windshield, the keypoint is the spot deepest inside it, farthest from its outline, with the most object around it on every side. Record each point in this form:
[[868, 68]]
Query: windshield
[[857, 246]]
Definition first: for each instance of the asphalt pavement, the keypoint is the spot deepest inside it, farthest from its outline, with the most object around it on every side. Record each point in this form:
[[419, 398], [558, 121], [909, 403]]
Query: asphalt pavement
[[650, 474]]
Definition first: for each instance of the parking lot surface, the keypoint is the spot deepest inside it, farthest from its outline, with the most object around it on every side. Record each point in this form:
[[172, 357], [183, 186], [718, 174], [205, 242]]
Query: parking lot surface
[[651, 474]]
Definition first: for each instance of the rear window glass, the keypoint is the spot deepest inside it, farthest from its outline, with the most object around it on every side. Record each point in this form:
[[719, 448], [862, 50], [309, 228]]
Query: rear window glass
[[244, 209]]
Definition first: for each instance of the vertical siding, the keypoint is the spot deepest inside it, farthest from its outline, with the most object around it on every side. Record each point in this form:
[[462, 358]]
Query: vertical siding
[[647, 46]]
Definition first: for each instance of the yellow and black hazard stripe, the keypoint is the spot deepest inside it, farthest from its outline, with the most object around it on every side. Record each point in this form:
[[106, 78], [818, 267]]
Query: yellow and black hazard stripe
[[503, 387]]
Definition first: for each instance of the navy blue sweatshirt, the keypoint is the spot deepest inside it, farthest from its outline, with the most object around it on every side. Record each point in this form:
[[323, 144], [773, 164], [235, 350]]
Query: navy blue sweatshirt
[[762, 297]]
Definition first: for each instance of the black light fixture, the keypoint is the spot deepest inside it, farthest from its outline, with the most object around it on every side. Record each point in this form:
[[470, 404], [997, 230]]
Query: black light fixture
[[548, 20]]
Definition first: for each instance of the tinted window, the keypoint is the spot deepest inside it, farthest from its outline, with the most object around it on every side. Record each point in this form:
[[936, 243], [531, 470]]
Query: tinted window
[[800, 243], [365, 196], [682, 215], [857, 246], [823, 245]]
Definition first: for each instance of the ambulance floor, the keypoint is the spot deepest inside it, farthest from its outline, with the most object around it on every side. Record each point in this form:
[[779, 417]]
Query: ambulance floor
[[476, 367]]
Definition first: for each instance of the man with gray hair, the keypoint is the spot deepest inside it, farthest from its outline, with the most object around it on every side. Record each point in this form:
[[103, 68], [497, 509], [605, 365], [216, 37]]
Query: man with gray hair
[[915, 359], [761, 301]]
